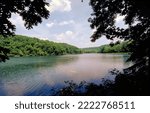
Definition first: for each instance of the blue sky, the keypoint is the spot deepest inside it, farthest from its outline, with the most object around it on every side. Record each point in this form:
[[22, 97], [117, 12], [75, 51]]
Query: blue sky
[[68, 23]]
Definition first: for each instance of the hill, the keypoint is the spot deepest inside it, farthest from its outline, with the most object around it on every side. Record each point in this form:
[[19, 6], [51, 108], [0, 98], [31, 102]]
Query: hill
[[91, 50], [28, 46], [118, 47]]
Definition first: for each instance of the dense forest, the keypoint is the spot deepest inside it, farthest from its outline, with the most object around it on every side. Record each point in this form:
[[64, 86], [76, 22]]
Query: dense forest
[[117, 47], [27, 46], [134, 80]]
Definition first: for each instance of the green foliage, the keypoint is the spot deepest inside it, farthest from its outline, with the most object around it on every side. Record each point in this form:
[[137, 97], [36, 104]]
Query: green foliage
[[118, 47], [3, 54], [135, 79], [136, 17], [31, 11], [91, 50], [26, 46]]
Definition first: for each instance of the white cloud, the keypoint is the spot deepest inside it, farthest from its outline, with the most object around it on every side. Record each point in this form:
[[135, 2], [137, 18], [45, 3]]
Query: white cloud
[[66, 22], [55, 23], [119, 18], [65, 37], [50, 24], [17, 20], [67, 28], [120, 22], [69, 33], [59, 5]]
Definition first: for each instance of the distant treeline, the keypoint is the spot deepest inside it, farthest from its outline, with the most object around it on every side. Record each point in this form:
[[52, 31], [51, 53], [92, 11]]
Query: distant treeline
[[117, 47], [27, 46]]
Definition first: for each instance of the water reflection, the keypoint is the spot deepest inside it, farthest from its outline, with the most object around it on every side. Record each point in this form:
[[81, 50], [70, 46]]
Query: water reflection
[[37, 75]]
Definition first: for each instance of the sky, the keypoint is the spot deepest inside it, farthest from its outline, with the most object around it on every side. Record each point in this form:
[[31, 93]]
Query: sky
[[68, 23]]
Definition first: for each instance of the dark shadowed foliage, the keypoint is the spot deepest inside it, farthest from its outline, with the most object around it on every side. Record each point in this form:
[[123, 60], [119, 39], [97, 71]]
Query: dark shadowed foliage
[[136, 16], [31, 11], [125, 84], [3, 54], [134, 80]]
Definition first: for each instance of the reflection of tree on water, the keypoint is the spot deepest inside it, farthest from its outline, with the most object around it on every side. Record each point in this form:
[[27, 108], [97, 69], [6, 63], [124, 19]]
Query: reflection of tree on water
[[123, 85], [2, 89], [136, 78], [15, 66], [31, 74], [22, 75]]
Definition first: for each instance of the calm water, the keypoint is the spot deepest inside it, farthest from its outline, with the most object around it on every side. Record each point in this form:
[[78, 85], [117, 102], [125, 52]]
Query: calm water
[[38, 75]]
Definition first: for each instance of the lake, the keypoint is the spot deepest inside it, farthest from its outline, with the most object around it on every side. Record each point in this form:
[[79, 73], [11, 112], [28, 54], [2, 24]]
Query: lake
[[38, 75]]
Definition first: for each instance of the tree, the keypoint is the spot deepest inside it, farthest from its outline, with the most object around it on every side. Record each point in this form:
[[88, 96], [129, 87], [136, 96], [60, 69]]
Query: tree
[[111, 44], [31, 11], [136, 15], [118, 42], [27, 46]]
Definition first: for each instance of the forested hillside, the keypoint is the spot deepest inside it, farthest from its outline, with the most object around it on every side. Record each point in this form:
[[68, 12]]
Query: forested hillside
[[27, 46], [118, 47]]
